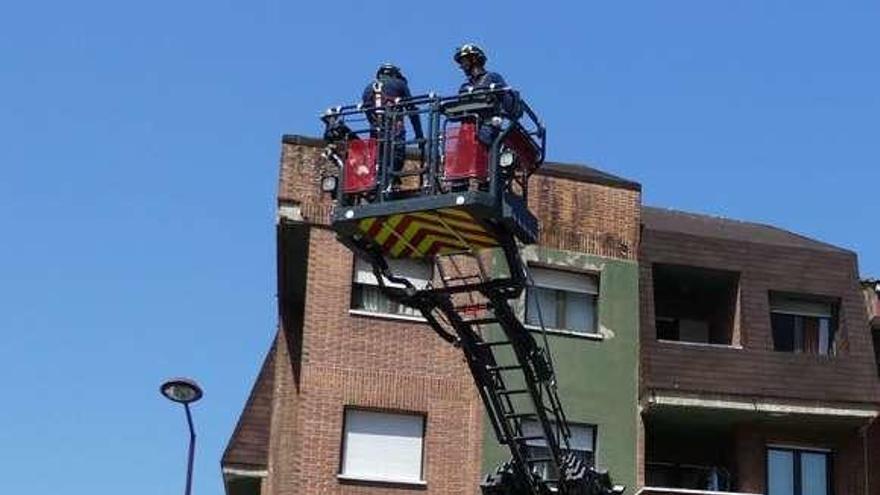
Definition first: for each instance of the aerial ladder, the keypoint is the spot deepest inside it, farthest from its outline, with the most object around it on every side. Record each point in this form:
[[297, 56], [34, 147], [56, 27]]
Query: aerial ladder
[[460, 204]]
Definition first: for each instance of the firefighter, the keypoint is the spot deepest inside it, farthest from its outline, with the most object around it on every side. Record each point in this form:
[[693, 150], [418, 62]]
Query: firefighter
[[472, 61], [389, 85]]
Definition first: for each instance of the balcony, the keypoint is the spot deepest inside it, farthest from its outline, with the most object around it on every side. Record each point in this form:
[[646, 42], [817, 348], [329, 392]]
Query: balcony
[[715, 448], [690, 452]]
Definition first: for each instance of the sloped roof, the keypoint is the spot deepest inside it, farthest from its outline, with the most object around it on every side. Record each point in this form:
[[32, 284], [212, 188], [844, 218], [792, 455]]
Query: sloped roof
[[667, 220], [249, 445], [584, 173]]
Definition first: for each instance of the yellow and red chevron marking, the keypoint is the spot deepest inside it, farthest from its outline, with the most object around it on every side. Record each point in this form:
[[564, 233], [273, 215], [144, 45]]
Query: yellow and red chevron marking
[[426, 233]]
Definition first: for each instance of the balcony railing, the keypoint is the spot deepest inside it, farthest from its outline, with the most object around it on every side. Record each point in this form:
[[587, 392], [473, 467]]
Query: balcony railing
[[699, 477]]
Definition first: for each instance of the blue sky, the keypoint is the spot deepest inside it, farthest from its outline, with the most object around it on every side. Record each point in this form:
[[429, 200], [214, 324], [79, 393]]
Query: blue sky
[[139, 145]]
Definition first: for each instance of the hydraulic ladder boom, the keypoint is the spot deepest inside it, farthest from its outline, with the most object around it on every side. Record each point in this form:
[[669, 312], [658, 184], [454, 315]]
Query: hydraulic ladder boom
[[469, 229]]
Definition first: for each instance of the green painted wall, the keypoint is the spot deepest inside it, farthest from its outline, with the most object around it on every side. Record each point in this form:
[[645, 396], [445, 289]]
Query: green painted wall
[[598, 378]]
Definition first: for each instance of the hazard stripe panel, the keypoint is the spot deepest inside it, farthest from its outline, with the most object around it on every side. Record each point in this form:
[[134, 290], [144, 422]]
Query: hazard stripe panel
[[426, 233]]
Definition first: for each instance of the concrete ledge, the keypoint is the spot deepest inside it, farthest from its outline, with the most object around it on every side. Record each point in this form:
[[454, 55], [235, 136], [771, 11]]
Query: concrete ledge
[[757, 404]]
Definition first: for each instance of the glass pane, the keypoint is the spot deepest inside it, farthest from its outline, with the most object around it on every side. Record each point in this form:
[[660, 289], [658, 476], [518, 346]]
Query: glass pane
[[814, 475], [783, 332], [798, 333], [780, 472], [370, 298], [824, 336], [546, 299], [580, 312], [811, 334]]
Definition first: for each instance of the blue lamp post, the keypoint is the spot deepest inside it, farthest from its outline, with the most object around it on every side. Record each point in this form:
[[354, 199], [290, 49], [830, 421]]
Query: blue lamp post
[[184, 391]]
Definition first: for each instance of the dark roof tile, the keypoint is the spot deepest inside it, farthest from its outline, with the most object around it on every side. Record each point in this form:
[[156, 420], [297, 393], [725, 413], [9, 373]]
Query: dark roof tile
[[249, 444], [666, 220]]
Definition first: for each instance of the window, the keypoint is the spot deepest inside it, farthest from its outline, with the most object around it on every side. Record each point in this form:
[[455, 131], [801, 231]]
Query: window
[[802, 325], [565, 300], [798, 472], [582, 442], [693, 304], [381, 446], [877, 348], [367, 296]]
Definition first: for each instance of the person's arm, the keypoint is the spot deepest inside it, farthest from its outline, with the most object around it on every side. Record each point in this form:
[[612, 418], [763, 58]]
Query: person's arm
[[508, 99], [368, 103], [496, 79], [414, 118]]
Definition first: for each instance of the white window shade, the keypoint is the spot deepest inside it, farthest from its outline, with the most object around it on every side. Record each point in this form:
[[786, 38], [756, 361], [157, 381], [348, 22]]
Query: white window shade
[[581, 436], [417, 272], [383, 446], [803, 307], [562, 280]]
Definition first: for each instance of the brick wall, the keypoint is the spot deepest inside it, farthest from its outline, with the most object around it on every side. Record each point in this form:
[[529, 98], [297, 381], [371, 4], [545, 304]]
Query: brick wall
[[586, 217], [756, 370], [328, 359], [845, 445], [576, 215], [349, 360], [874, 457]]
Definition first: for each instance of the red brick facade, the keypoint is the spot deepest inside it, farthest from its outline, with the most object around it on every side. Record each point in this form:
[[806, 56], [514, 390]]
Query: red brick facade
[[327, 359]]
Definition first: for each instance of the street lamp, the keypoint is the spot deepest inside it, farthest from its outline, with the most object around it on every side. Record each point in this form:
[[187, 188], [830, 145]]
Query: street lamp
[[184, 391]]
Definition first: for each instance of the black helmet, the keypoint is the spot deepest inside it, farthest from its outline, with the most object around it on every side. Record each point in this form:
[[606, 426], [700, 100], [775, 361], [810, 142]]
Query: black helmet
[[470, 49], [389, 70]]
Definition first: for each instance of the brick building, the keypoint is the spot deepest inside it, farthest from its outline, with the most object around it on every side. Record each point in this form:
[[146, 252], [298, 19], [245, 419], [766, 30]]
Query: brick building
[[758, 373], [698, 352], [871, 291], [347, 363]]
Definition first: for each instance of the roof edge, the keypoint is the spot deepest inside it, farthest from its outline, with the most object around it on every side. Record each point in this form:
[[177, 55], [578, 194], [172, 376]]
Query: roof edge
[[302, 140], [819, 246], [266, 367], [585, 173], [572, 171]]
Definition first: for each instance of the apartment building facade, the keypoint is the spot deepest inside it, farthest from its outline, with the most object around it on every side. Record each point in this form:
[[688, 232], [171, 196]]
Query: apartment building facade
[[692, 353], [358, 395], [758, 373]]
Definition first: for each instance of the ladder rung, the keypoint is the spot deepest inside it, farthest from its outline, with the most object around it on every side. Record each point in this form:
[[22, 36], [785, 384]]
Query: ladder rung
[[514, 391], [463, 277], [529, 437], [470, 308], [481, 321], [520, 415], [504, 368], [491, 344], [539, 459]]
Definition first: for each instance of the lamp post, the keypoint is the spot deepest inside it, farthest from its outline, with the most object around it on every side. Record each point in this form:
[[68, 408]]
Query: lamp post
[[184, 391]]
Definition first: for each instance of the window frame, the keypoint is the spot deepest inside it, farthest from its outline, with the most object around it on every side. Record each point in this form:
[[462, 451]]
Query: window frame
[[594, 278], [356, 286], [796, 452], [777, 302], [594, 428], [355, 478], [723, 289]]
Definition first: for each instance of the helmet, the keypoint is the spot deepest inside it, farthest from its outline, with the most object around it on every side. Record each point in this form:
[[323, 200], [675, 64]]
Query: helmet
[[470, 49], [389, 70]]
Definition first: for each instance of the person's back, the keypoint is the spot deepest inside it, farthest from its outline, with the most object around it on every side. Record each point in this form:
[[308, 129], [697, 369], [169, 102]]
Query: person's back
[[384, 91], [389, 87]]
